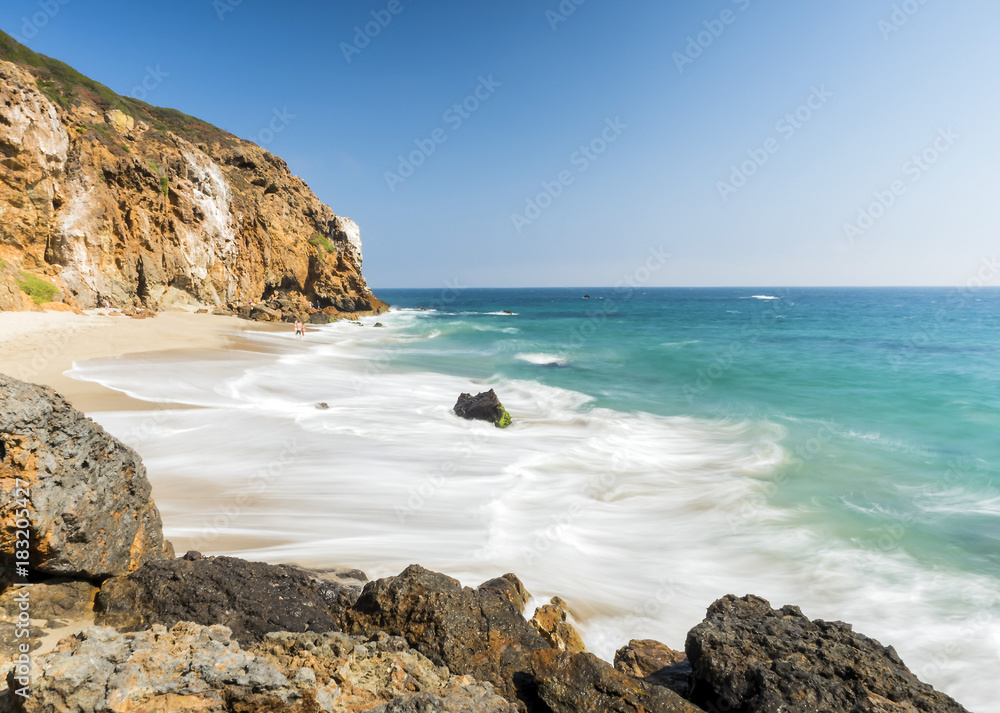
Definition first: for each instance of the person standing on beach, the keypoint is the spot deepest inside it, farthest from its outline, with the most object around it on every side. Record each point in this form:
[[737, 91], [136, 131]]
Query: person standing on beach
[[300, 329]]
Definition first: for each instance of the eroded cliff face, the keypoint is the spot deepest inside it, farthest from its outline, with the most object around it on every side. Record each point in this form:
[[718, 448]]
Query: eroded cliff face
[[114, 201]]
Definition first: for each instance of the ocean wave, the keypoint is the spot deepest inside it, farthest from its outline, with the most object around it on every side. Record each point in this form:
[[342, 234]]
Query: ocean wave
[[680, 344], [554, 360], [760, 297]]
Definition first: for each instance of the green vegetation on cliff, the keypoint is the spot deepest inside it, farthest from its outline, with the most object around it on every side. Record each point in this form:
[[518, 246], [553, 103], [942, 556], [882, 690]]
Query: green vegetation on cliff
[[39, 290], [64, 86], [322, 242]]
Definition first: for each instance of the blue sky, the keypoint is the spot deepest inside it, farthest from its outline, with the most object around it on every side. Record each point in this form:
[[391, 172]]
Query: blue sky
[[757, 143]]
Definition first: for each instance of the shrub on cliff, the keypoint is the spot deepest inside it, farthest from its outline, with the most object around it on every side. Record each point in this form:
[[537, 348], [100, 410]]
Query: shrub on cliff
[[39, 290]]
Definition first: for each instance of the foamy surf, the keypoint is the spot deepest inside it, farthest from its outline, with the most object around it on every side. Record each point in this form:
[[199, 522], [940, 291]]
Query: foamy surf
[[638, 520], [543, 359]]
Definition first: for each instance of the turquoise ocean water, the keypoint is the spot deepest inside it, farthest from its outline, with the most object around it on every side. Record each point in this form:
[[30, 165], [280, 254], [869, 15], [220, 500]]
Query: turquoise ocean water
[[832, 448]]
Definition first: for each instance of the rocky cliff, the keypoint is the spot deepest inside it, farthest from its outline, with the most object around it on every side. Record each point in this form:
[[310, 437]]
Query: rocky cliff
[[105, 198]]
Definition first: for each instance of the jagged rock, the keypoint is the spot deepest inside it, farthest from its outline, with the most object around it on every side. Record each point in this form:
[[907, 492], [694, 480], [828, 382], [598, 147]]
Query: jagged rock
[[117, 200], [476, 632], [223, 312], [747, 658], [260, 313], [509, 586], [655, 663], [88, 499], [551, 622], [380, 667], [251, 598], [197, 668], [318, 318], [484, 406], [582, 683]]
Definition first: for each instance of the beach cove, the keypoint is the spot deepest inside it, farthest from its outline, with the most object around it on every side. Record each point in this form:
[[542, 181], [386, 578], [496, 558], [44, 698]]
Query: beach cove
[[634, 503]]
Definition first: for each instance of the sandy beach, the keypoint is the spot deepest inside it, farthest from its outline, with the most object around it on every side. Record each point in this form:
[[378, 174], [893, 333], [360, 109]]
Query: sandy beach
[[40, 347]]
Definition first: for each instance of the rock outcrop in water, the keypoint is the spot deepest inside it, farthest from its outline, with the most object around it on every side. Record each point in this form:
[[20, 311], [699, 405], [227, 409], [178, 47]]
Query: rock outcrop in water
[[484, 406], [106, 198], [85, 494]]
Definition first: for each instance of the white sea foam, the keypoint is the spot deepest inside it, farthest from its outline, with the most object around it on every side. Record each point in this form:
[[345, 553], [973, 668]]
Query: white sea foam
[[543, 359], [762, 297], [638, 521], [681, 344]]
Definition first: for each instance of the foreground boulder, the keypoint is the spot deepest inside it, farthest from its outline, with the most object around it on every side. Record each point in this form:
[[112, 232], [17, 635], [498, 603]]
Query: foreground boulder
[[582, 683], [655, 663], [476, 632], [199, 668], [250, 598], [749, 658], [484, 406], [89, 505]]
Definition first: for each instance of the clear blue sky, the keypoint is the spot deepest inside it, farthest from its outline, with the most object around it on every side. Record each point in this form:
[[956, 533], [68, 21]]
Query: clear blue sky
[[882, 90]]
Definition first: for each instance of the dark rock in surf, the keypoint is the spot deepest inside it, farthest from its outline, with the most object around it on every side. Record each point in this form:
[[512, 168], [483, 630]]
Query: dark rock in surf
[[251, 598], [484, 406], [507, 311], [655, 663], [477, 632], [582, 683], [322, 406], [749, 658], [379, 324]]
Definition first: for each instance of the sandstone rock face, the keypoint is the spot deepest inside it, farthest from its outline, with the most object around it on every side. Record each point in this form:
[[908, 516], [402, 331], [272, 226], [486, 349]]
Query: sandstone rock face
[[747, 657], [476, 632], [655, 663], [88, 501], [113, 200], [250, 598], [582, 683], [198, 668]]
